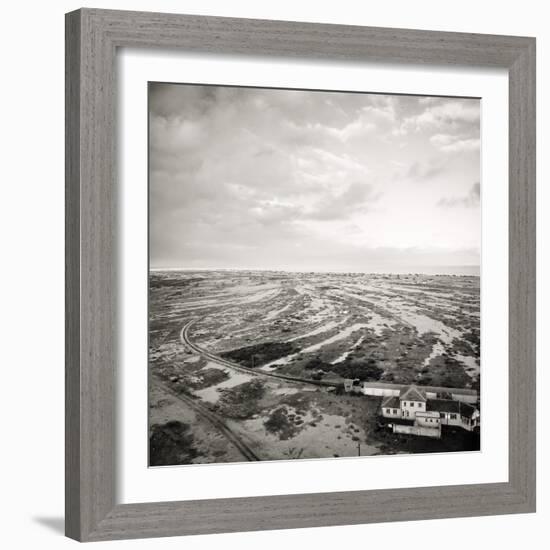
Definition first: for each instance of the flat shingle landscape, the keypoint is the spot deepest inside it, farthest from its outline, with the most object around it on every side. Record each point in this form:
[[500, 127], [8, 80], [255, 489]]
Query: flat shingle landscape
[[252, 363]]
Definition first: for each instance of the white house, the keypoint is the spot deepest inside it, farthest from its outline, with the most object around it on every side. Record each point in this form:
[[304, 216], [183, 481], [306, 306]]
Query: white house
[[412, 401], [413, 404]]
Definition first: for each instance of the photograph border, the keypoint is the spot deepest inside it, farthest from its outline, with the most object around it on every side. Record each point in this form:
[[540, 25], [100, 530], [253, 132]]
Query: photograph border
[[92, 39]]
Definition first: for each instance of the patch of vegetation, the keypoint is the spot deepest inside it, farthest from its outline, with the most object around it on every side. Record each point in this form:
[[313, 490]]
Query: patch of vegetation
[[301, 402], [259, 354], [363, 367], [181, 380], [472, 336], [318, 363], [279, 423], [444, 371], [242, 401], [171, 444], [464, 346], [207, 378], [353, 367], [294, 452]]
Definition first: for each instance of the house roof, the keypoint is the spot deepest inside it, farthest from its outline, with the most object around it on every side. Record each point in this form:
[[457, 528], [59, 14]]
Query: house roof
[[412, 393], [467, 410], [443, 405], [450, 406], [391, 402]]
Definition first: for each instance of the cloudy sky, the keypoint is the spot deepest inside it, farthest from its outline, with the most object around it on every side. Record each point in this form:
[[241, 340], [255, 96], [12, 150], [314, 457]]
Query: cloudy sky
[[298, 180]]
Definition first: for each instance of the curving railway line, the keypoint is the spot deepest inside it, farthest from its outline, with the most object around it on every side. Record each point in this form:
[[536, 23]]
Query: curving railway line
[[184, 337]]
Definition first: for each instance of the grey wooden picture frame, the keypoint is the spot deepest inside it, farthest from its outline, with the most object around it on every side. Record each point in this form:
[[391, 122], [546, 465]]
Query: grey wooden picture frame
[[92, 39]]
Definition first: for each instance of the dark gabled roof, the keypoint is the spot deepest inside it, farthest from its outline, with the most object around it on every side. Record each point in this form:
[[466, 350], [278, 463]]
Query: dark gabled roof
[[391, 402], [412, 393], [467, 410], [450, 406], [443, 405]]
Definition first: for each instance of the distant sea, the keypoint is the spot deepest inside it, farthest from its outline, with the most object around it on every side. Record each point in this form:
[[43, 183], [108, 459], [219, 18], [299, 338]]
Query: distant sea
[[471, 270]]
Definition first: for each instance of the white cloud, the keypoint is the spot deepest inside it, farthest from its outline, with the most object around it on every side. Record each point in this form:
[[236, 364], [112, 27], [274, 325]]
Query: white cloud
[[450, 114], [303, 178], [357, 197], [354, 130], [454, 144]]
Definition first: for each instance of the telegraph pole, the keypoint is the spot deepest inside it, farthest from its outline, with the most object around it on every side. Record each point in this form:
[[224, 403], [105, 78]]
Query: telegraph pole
[[358, 449]]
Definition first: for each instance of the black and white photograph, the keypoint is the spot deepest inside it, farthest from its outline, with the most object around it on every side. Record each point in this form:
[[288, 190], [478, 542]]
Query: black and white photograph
[[314, 274]]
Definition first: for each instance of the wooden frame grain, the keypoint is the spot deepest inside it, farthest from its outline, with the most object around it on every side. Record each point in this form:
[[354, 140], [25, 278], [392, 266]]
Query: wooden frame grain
[[92, 39]]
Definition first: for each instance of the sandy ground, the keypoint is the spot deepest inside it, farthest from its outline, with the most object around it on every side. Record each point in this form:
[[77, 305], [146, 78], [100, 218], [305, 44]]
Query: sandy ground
[[209, 443], [396, 329]]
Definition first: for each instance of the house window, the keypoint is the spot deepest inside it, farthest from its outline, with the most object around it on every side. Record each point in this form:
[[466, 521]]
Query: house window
[[453, 416], [394, 411], [419, 404], [387, 411]]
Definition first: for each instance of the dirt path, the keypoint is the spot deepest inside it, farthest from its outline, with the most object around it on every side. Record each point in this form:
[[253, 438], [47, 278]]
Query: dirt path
[[213, 418]]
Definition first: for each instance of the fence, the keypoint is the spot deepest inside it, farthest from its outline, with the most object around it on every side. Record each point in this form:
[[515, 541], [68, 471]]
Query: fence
[[417, 430]]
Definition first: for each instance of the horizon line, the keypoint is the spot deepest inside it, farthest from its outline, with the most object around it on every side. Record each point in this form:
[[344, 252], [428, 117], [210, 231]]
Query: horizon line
[[376, 272]]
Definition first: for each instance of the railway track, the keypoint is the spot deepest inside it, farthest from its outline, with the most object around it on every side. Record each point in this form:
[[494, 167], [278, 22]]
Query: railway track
[[216, 421], [184, 337]]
